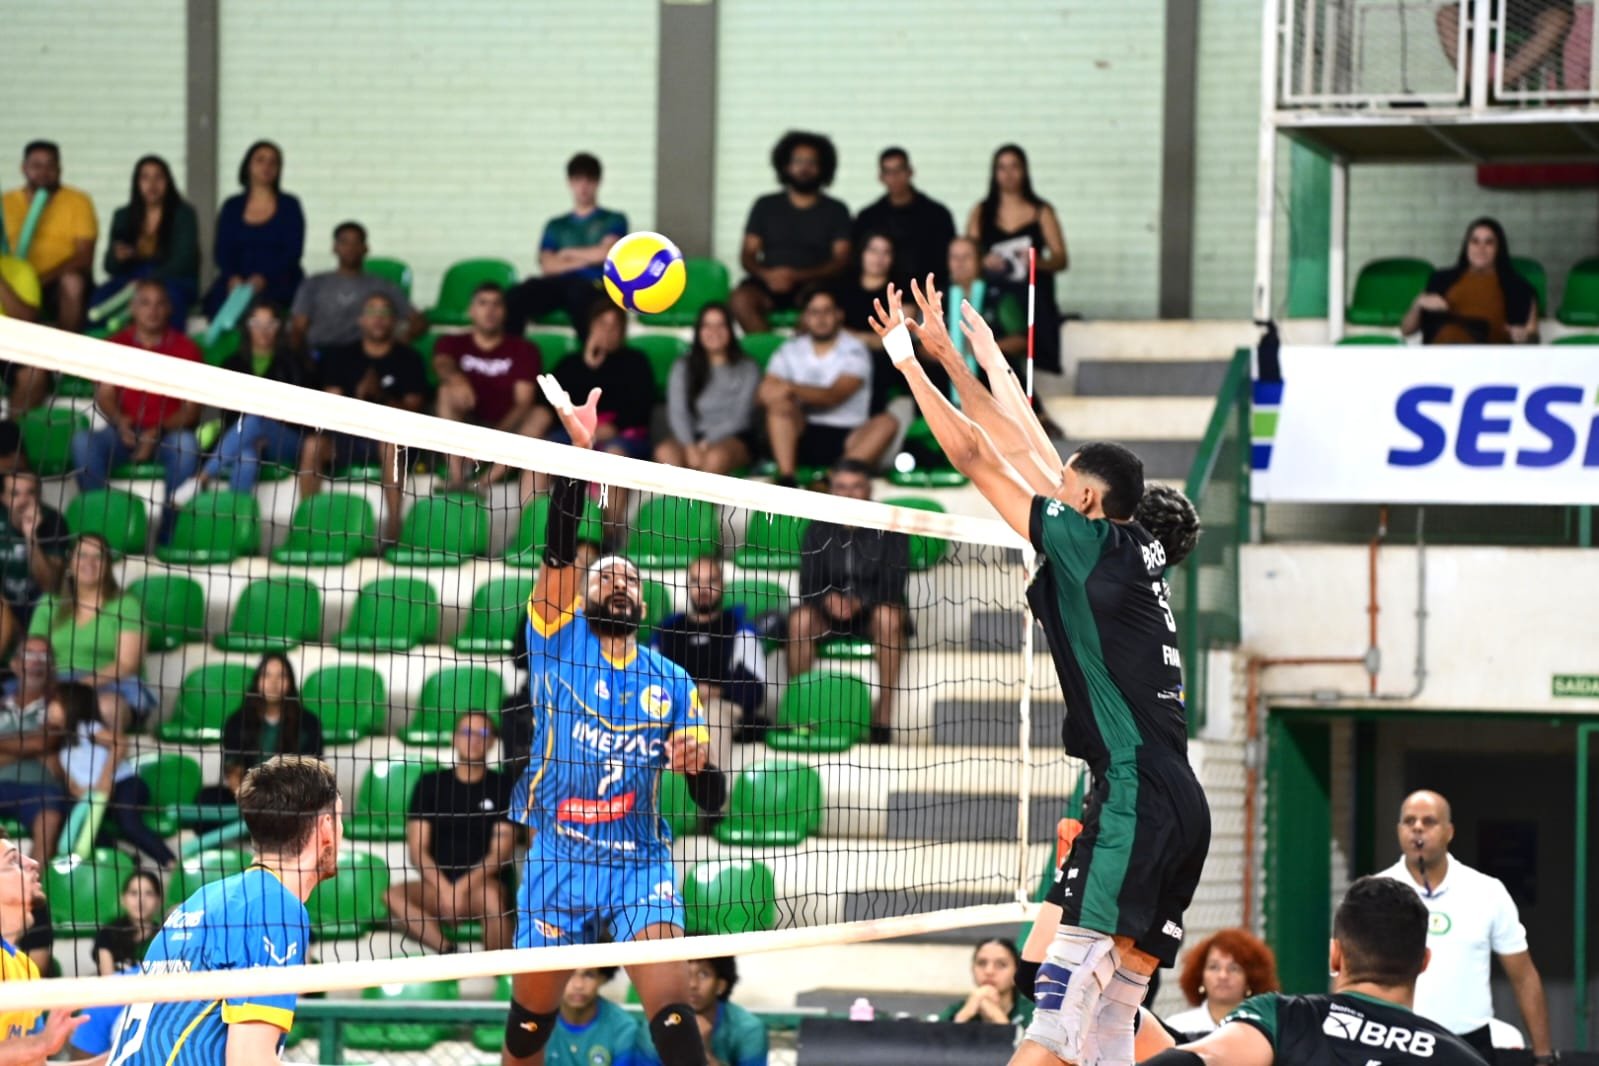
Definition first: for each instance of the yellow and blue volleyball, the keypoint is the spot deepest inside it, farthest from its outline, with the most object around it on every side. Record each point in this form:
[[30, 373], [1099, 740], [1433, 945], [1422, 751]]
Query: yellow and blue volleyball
[[644, 272]]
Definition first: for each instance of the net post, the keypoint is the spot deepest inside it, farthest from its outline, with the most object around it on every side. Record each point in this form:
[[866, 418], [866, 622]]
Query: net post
[[1025, 738], [1032, 293]]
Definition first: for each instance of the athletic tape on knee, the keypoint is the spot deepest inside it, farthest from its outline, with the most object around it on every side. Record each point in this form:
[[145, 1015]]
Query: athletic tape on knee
[[1113, 1033], [676, 1033], [526, 1031], [1079, 965]]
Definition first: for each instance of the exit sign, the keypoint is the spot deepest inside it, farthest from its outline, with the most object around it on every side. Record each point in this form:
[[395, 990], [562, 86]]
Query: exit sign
[[1577, 686]]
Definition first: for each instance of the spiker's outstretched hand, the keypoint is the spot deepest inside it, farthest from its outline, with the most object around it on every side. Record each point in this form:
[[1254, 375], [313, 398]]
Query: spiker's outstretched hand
[[579, 422]]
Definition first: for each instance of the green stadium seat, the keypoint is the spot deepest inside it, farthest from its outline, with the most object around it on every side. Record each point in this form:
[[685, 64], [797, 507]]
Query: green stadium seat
[[662, 350], [274, 614], [47, 438], [383, 799], [448, 694], [771, 542], [822, 711], [351, 904], [677, 806], [215, 527], [71, 387], [442, 531], [1385, 290], [1356, 340], [758, 598], [174, 610], [497, 608], [1577, 338], [173, 780], [927, 477], [329, 529], [205, 700], [219, 350], [1536, 276], [729, 896], [846, 649], [455, 290], [193, 872], [392, 614], [785, 319], [925, 551], [151, 471], [491, 1037], [395, 271], [85, 894], [705, 281], [760, 346], [117, 516], [1579, 306], [672, 530], [526, 549], [777, 802], [404, 1036], [553, 347], [350, 701], [657, 606]]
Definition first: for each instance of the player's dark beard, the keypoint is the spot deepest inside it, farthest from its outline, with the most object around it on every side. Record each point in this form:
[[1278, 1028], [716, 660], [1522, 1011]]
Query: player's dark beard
[[610, 618], [805, 186]]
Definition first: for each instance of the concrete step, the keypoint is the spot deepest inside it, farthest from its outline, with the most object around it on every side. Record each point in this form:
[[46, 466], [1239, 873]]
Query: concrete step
[[1196, 340], [1164, 460], [1155, 377], [1133, 418]]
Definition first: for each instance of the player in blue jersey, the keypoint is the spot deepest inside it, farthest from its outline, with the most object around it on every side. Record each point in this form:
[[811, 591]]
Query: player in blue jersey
[[291, 806], [609, 715], [27, 1037]]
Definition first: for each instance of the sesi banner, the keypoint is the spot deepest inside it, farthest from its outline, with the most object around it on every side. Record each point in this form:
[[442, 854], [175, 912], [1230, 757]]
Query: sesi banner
[[1429, 425]]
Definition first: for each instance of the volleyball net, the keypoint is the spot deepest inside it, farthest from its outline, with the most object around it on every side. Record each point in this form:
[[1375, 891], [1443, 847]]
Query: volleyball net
[[359, 605]]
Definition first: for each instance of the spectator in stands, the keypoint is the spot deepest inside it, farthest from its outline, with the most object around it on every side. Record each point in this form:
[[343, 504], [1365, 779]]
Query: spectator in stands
[[590, 1029], [571, 254], [378, 369], [855, 299], [271, 721], [119, 945], [96, 634], [1218, 974], [488, 377], [142, 426], [327, 306], [93, 756], [156, 234], [710, 399], [1540, 27], [994, 999], [721, 650], [733, 1036], [30, 792], [53, 227], [33, 545], [817, 393], [794, 239], [919, 226], [460, 842], [1482, 299], [260, 234]]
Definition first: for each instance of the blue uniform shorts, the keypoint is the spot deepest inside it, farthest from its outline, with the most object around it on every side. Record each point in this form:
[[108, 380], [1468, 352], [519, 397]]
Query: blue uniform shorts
[[562, 900]]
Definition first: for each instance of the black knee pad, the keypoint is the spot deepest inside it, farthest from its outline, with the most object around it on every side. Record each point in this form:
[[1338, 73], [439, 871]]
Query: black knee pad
[[526, 1032], [676, 1032], [1026, 978]]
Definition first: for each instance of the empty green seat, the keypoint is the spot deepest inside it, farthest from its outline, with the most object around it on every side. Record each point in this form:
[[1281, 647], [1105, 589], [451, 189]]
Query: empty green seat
[[173, 780], [1579, 306], [85, 894], [274, 614], [351, 904], [455, 290], [1356, 340], [845, 648], [822, 711], [404, 1036], [758, 598], [657, 606], [497, 608], [705, 281], [771, 542], [350, 701], [215, 527], [392, 614], [1536, 276], [677, 806], [729, 896], [526, 549], [205, 699], [117, 516], [196, 871], [671, 530], [220, 348], [784, 318], [47, 438], [329, 529], [395, 271], [553, 347], [774, 803], [446, 696], [442, 531], [760, 346], [925, 551], [491, 1037], [1385, 290], [383, 799], [662, 350], [174, 610], [1577, 338]]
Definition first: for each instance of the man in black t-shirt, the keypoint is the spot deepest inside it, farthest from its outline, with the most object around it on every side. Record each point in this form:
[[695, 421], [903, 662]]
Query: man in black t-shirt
[[458, 839], [721, 650], [920, 227], [33, 546]]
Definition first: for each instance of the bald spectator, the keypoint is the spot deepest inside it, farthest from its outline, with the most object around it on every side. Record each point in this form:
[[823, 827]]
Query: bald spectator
[[1473, 916], [53, 227]]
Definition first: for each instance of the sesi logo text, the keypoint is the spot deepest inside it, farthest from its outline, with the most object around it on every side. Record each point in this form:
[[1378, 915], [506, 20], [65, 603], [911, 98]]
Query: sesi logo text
[[1549, 425]]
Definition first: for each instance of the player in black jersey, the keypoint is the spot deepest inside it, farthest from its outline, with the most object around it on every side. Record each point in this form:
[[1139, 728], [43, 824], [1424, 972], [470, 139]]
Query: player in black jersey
[[1379, 948], [1101, 596]]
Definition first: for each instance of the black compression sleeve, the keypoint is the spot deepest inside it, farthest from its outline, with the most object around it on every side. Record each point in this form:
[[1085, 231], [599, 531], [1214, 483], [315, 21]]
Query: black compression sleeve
[[1174, 1056], [1026, 977], [708, 788], [560, 528]]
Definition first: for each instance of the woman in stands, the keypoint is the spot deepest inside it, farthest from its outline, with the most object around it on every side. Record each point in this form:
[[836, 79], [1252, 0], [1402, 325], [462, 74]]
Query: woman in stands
[[1482, 299], [156, 234], [1219, 973], [871, 283], [710, 399], [260, 234], [119, 946], [994, 999], [271, 721]]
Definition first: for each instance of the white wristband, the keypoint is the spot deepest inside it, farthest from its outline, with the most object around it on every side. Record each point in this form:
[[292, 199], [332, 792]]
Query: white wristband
[[897, 342]]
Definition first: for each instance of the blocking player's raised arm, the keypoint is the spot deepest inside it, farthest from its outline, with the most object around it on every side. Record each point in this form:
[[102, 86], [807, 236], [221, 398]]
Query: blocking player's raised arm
[[560, 581]]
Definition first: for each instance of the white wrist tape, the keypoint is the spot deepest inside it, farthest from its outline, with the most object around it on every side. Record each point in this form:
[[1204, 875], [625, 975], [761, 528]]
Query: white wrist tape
[[897, 342]]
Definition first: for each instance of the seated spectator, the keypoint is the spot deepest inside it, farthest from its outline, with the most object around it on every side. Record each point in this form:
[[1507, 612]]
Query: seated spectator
[[590, 1029], [246, 441], [721, 650], [378, 369], [489, 377], [1482, 299], [1218, 974], [327, 306], [260, 235], [793, 239], [994, 999], [571, 255], [919, 226], [733, 1036], [1004, 312], [154, 235], [817, 393], [710, 399], [96, 634], [459, 841], [142, 426], [855, 299], [53, 227], [852, 584], [34, 542], [119, 946], [271, 721], [1534, 33], [30, 791]]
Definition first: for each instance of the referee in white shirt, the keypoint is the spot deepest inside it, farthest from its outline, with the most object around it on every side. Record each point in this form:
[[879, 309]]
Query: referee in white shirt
[[1472, 915]]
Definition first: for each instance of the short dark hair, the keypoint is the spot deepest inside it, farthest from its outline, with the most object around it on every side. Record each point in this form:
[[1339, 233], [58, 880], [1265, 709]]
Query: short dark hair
[[489, 286], [282, 798], [725, 967], [826, 154], [584, 165], [244, 164], [1120, 470], [893, 152], [152, 283], [812, 291], [1168, 516], [42, 146], [385, 297], [1381, 924], [604, 305], [342, 226], [849, 465]]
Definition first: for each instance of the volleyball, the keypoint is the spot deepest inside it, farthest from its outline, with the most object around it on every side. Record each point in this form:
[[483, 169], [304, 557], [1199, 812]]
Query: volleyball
[[644, 272]]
